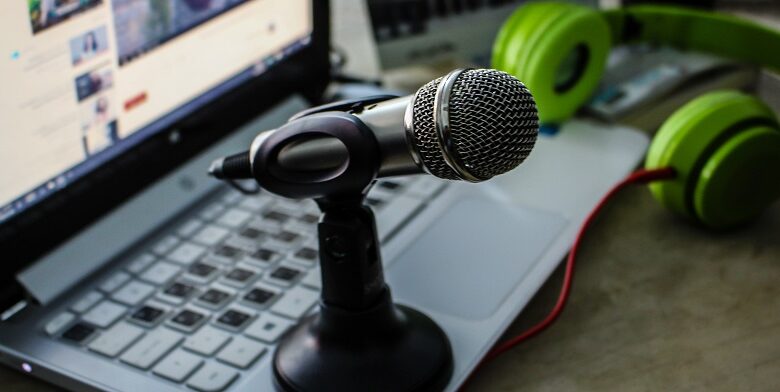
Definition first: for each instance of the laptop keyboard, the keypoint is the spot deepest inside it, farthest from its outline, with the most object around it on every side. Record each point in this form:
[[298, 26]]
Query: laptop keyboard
[[211, 296]]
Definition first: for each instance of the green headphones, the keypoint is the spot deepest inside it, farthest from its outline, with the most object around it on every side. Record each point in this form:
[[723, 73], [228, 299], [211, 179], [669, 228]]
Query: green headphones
[[724, 146]]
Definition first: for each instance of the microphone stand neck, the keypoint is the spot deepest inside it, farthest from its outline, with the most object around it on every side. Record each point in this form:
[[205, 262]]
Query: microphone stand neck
[[350, 258]]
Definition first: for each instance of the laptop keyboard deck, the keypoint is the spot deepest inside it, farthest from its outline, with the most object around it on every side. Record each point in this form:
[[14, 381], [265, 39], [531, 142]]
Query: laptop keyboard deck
[[211, 296]]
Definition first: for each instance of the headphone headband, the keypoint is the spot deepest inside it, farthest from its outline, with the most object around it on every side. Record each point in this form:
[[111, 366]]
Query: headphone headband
[[685, 28]]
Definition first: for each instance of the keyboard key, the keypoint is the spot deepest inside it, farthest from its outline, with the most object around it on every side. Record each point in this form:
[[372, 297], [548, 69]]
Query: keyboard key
[[295, 302], [160, 273], [259, 297], [233, 218], [309, 218], [187, 320], [313, 279], [284, 275], [151, 348], [59, 322], [201, 272], [79, 333], [233, 319], [207, 340], [212, 377], [210, 235], [114, 281], [252, 233], [286, 236], [241, 352], [232, 196], [133, 293], [268, 328], [374, 202], [140, 263], [263, 257], [86, 302], [178, 365], [214, 298], [148, 315], [308, 255], [165, 245], [389, 185], [186, 253], [255, 203], [276, 216], [240, 277], [113, 341], [177, 293], [189, 228], [227, 254], [211, 212], [104, 314]]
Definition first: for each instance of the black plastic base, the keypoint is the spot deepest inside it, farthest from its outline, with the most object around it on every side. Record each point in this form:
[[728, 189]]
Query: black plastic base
[[386, 348]]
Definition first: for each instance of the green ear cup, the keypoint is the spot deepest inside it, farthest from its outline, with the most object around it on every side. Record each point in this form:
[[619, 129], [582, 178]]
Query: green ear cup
[[741, 179], [558, 50], [725, 147]]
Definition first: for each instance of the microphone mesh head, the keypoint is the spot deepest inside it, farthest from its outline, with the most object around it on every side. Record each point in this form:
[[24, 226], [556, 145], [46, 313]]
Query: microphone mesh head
[[493, 124]]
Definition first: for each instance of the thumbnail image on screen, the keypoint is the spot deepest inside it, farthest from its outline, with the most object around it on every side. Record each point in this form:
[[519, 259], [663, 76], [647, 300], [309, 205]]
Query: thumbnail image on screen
[[88, 45], [47, 13], [93, 82], [98, 124], [141, 25]]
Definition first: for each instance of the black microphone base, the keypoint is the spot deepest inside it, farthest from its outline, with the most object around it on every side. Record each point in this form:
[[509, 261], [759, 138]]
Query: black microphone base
[[385, 348]]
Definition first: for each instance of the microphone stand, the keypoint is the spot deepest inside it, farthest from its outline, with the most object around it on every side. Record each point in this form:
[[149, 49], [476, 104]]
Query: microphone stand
[[360, 340]]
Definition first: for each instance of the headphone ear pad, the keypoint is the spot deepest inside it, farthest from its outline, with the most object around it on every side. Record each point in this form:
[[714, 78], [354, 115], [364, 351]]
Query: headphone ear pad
[[725, 148], [558, 50]]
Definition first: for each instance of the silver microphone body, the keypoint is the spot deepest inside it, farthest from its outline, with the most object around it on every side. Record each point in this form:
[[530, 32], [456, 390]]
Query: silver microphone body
[[385, 119], [467, 125]]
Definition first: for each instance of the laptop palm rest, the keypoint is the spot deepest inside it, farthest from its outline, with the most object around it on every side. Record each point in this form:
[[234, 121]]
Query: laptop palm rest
[[467, 262]]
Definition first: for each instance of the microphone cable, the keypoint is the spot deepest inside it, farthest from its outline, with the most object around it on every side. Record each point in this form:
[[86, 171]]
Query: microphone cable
[[639, 177]]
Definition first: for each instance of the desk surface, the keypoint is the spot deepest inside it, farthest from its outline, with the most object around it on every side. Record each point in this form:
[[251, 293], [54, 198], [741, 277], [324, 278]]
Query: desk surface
[[657, 305]]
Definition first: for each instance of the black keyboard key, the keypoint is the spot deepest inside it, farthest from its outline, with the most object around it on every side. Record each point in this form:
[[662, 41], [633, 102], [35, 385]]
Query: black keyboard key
[[310, 218], [307, 253], [78, 333], [286, 274], [374, 202], [179, 290], [188, 318], [389, 185], [214, 297], [201, 270], [240, 275], [148, 315], [264, 255], [252, 233], [277, 216], [233, 318], [228, 252], [286, 236], [259, 296]]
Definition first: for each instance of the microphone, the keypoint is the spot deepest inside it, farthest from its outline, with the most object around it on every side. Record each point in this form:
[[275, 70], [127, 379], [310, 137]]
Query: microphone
[[469, 125]]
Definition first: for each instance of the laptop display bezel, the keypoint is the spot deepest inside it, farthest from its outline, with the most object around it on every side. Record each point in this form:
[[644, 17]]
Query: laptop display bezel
[[36, 231]]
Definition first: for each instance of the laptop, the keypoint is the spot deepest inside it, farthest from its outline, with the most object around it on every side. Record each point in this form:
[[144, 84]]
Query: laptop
[[124, 267]]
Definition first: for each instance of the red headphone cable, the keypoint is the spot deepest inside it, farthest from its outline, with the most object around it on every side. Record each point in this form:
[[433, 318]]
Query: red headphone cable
[[642, 176]]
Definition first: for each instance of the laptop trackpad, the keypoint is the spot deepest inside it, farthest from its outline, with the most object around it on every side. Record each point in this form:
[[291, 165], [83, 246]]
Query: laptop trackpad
[[467, 262]]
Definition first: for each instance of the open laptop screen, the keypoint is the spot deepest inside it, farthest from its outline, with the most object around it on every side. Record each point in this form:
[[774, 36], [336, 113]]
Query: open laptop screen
[[85, 80]]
